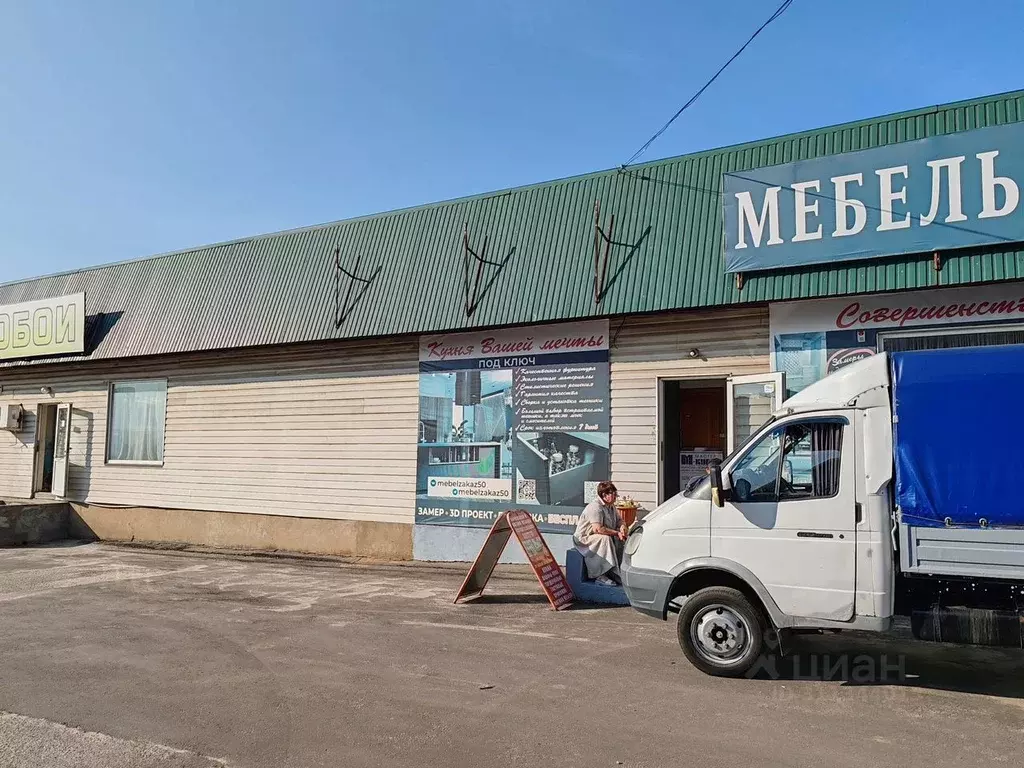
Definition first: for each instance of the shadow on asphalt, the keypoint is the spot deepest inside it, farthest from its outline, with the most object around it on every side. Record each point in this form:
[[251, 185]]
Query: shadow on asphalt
[[865, 660], [534, 599], [500, 599]]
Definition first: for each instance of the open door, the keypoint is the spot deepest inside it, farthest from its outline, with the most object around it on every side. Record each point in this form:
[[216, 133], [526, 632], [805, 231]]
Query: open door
[[46, 427], [62, 441], [750, 402]]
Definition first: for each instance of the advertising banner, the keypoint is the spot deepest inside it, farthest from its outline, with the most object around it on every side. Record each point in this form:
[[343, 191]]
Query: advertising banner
[[695, 464], [811, 339], [514, 417], [41, 328], [934, 194]]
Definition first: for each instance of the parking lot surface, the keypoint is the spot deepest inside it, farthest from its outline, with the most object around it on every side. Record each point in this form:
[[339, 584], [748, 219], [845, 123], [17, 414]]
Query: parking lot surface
[[130, 657]]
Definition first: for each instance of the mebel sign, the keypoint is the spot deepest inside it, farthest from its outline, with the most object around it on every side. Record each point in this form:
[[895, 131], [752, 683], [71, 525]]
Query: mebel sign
[[935, 194], [43, 328]]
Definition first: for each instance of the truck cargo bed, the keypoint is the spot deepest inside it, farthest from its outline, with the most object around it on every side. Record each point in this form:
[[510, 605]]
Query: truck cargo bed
[[992, 553]]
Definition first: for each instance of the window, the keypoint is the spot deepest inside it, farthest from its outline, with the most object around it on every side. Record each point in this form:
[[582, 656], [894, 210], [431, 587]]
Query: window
[[135, 431], [810, 463], [756, 476], [799, 461]]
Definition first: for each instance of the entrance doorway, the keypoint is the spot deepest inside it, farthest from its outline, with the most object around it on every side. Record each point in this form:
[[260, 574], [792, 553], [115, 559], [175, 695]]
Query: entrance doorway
[[53, 438], [46, 428], [706, 419], [693, 430], [46, 442]]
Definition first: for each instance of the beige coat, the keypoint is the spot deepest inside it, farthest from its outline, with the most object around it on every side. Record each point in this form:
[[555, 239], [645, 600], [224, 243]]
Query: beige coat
[[601, 553]]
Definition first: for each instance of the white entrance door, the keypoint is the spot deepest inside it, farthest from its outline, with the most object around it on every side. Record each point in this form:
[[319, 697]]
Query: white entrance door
[[750, 402], [790, 516], [62, 442]]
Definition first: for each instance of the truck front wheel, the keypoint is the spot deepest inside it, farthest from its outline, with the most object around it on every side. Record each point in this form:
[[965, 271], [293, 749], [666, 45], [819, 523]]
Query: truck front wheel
[[720, 631]]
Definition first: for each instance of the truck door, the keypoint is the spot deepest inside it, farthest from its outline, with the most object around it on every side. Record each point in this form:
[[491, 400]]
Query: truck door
[[790, 516]]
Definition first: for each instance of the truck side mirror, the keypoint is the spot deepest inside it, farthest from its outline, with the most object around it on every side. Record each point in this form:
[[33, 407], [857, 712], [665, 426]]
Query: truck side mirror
[[717, 492]]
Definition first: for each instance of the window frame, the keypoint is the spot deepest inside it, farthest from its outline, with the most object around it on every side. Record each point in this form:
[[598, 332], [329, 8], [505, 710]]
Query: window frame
[[110, 411], [784, 425], [843, 423]]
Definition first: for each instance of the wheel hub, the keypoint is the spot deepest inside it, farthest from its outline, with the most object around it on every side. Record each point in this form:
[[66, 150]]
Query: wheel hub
[[719, 633]]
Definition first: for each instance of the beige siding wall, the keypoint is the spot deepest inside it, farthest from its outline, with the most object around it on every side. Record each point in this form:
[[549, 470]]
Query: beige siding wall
[[731, 342], [330, 432], [327, 432]]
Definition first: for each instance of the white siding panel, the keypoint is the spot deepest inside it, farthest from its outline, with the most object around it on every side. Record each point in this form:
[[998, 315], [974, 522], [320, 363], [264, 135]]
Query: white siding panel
[[326, 432], [731, 343]]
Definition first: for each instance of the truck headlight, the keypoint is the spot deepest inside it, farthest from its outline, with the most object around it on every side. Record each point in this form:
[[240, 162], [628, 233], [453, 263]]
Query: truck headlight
[[633, 542]]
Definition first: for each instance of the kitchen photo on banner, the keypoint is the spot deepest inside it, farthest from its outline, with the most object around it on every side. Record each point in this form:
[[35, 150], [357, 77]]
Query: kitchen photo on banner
[[512, 419]]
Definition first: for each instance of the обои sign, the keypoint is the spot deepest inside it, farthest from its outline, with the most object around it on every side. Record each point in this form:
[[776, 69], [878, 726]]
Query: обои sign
[[939, 193], [42, 328]]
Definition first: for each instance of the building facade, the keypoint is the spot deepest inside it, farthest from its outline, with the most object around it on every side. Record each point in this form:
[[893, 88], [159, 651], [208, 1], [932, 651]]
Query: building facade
[[382, 387]]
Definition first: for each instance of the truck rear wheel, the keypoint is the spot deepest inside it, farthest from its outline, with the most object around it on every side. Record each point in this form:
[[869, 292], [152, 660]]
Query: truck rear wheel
[[720, 631]]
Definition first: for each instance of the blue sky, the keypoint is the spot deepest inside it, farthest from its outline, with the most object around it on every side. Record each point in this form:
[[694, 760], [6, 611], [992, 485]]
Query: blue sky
[[134, 127]]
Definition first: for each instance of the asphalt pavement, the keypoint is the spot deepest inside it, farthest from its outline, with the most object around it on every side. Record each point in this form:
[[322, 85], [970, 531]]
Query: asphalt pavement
[[126, 657]]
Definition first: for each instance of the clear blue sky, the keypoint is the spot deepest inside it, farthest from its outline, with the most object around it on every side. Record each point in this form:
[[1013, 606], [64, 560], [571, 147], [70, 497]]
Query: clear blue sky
[[134, 127]]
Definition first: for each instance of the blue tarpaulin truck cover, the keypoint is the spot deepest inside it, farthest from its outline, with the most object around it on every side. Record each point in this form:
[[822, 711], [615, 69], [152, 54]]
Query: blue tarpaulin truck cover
[[959, 436]]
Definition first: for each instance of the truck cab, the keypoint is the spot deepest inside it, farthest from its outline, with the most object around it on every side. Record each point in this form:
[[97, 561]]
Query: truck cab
[[793, 531]]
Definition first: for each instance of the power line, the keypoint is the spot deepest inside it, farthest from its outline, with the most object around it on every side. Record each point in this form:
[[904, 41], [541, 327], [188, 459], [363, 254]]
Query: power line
[[639, 176], [778, 12]]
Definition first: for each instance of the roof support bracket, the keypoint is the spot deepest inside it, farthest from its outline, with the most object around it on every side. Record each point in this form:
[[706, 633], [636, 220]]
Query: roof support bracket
[[937, 261], [601, 262], [472, 292], [615, 336], [739, 281], [342, 309], [602, 281]]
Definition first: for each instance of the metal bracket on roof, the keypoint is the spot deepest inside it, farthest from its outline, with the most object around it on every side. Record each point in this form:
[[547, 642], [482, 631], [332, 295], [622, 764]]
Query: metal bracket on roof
[[472, 293], [601, 281], [601, 264], [615, 336], [937, 261], [342, 309], [739, 281]]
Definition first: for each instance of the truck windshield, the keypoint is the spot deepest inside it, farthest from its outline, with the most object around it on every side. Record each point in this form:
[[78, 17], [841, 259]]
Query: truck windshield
[[700, 486]]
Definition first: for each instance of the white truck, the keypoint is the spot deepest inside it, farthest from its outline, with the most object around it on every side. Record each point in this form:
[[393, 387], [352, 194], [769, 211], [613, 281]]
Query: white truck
[[894, 486]]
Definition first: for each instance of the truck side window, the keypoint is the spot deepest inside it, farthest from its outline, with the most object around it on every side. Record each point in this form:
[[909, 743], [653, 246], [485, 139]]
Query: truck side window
[[755, 478], [800, 461], [811, 458]]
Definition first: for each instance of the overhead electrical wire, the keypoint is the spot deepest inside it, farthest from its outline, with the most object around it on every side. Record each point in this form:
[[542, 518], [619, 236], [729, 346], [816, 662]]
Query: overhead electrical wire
[[778, 12]]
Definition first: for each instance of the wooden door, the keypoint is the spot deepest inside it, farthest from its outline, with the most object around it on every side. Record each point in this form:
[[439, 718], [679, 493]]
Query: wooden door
[[702, 419]]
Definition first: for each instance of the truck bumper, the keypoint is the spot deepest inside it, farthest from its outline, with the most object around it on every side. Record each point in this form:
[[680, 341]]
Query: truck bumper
[[647, 590]]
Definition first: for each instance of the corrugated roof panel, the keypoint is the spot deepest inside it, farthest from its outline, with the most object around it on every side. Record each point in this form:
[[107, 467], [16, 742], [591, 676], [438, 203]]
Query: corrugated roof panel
[[284, 288]]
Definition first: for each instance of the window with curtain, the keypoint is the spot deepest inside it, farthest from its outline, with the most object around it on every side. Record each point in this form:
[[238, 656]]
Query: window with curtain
[[801, 461], [811, 461], [135, 431]]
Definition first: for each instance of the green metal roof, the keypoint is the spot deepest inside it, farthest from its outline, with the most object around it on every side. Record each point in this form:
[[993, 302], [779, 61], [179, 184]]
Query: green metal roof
[[285, 288]]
